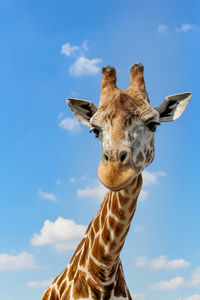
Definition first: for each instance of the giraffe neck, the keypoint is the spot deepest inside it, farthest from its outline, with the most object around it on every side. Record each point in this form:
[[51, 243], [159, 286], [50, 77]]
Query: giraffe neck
[[95, 270], [107, 232]]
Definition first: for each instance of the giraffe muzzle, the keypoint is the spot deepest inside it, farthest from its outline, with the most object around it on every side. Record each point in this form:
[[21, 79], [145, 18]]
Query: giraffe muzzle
[[114, 174]]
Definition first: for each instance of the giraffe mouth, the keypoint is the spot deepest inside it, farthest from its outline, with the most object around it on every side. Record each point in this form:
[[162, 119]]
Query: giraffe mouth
[[114, 176], [119, 188]]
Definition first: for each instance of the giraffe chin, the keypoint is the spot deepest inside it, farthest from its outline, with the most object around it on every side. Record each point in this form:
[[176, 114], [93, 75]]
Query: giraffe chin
[[114, 176]]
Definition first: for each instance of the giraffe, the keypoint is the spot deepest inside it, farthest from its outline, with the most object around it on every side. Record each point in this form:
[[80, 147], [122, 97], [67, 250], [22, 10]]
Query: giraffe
[[125, 124]]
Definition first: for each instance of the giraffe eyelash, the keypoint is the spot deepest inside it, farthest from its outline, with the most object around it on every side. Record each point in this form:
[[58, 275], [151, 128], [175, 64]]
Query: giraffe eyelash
[[96, 131], [153, 125]]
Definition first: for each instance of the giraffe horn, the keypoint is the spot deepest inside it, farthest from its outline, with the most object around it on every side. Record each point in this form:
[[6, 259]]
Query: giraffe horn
[[137, 83], [108, 84]]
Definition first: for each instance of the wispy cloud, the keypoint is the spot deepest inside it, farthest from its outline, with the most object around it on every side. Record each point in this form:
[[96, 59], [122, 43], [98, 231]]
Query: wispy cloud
[[139, 296], [195, 280], [162, 263], [187, 27], [141, 261], [139, 229], [63, 234], [149, 178], [162, 28], [69, 124], [194, 297], [79, 179], [82, 64], [85, 66], [58, 181], [168, 285], [22, 261], [68, 50], [46, 195], [178, 282], [98, 191], [143, 195], [39, 284]]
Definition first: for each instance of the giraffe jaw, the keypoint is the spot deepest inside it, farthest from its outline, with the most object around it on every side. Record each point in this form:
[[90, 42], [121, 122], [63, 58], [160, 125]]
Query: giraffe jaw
[[114, 176]]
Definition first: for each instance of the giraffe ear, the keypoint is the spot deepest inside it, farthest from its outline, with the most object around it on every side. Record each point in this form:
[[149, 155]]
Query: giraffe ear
[[83, 110], [173, 106]]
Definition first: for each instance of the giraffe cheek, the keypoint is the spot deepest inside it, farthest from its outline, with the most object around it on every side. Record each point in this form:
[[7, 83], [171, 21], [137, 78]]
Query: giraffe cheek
[[139, 161], [149, 157]]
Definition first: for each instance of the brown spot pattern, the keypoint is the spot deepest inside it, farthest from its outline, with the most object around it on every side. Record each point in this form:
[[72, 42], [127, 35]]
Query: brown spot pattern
[[54, 295], [119, 213], [97, 273], [95, 290], [122, 200], [66, 294], [84, 254], [80, 288], [116, 227], [106, 236], [103, 215], [73, 268], [61, 278], [99, 252], [63, 287], [46, 295], [96, 224]]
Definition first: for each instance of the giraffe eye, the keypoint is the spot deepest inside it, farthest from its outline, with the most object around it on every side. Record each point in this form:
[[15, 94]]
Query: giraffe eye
[[96, 131], [153, 125]]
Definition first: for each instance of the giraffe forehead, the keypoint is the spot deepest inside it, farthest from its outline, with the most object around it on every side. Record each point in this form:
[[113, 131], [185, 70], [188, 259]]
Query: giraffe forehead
[[119, 119], [120, 108]]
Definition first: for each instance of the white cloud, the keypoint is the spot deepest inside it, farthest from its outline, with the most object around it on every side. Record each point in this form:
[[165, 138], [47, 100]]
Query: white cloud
[[177, 282], [63, 234], [151, 178], [69, 124], [46, 195], [141, 261], [168, 285], [82, 65], [195, 281], [162, 263], [39, 284], [68, 50], [187, 27], [22, 261], [143, 195], [85, 66], [162, 28], [139, 296], [139, 228], [98, 192]]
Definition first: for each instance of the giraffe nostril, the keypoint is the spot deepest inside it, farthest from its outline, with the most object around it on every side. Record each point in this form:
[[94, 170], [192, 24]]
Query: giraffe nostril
[[105, 157], [123, 156]]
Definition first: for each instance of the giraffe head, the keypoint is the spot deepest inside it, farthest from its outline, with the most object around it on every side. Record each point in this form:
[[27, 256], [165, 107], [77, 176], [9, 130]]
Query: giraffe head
[[125, 124]]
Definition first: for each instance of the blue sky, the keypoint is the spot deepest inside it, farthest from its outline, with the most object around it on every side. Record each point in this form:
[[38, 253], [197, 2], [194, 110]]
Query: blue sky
[[51, 50]]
